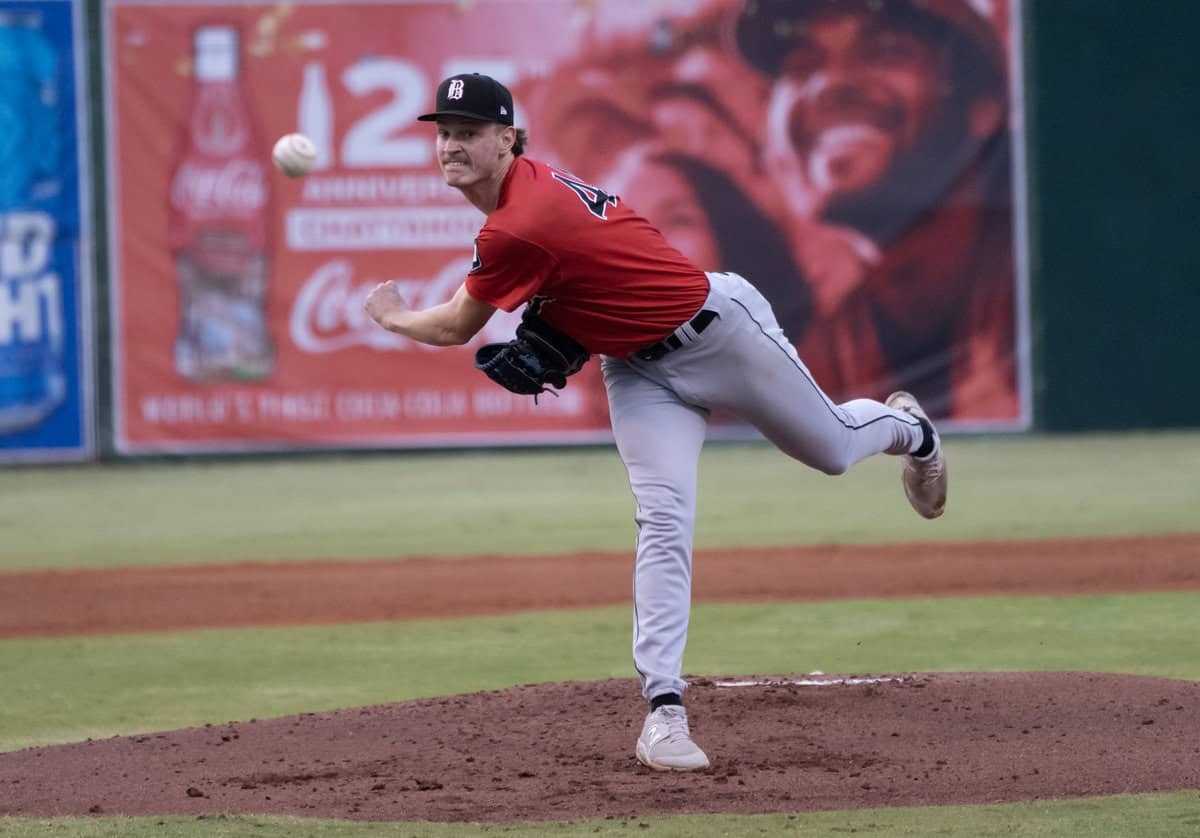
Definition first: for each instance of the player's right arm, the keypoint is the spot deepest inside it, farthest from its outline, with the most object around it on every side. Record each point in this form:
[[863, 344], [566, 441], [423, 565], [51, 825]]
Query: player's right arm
[[507, 271], [452, 323]]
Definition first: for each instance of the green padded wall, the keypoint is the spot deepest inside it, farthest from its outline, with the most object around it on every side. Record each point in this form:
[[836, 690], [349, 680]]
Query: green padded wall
[[1113, 107]]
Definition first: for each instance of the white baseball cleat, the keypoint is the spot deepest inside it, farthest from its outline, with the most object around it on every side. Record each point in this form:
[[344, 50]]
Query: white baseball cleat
[[924, 478], [666, 743]]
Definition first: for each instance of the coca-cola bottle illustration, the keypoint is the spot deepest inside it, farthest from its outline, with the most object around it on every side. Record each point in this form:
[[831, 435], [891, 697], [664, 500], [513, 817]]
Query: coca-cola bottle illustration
[[218, 224], [314, 116]]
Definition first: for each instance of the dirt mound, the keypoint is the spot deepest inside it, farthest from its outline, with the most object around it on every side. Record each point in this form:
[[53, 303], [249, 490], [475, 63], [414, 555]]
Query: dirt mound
[[565, 751]]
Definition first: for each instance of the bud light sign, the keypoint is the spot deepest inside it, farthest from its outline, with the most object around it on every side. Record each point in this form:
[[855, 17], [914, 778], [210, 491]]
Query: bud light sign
[[45, 352]]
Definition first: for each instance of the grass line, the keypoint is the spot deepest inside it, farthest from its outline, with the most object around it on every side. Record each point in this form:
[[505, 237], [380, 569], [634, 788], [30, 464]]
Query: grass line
[[59, 690], [1146, 816]]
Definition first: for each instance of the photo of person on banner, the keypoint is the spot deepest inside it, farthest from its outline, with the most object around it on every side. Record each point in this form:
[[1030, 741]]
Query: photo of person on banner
[[886, 133], [874, 137]]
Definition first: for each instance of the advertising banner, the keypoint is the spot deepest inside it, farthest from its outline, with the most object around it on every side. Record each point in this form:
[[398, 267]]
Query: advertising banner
[[45, 293], [877, 215]]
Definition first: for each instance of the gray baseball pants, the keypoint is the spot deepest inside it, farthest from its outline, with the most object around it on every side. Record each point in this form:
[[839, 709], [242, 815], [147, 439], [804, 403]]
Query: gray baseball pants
[[741, 363]]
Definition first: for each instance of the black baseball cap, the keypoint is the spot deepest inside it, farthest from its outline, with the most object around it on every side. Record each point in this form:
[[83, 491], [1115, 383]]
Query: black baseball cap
[[473, 96]]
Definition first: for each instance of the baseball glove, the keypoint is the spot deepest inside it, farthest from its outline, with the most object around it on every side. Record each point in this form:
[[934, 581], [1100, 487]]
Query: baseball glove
[[540, 355]]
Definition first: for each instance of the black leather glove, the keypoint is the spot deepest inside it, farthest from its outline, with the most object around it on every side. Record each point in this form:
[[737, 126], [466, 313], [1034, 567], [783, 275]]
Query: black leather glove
[[538, 356]]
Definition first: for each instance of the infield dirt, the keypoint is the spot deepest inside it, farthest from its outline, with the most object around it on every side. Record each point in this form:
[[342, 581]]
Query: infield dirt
[[565, 751]]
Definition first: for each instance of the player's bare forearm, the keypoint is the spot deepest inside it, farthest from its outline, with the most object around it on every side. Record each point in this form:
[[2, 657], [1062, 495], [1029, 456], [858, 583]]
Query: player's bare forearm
[[448, 324], [433, 326]]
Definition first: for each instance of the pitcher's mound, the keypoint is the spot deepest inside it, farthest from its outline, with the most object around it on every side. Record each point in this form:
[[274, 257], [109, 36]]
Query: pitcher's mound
[[565, 751]]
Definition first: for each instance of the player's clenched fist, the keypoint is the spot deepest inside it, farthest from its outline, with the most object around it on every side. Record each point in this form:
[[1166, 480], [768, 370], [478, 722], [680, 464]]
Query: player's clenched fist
[[384, 300]]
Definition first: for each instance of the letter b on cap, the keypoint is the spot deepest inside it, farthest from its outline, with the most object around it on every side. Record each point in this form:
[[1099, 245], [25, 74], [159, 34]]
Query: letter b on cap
[[455, 91]]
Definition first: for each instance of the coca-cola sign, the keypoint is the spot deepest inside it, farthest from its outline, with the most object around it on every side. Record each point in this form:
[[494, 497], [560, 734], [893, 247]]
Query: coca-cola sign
[[328, 315], [237, 186]]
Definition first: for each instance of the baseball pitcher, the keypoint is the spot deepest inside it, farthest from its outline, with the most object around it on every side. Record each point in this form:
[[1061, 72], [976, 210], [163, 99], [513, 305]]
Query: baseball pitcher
[[675, 343]]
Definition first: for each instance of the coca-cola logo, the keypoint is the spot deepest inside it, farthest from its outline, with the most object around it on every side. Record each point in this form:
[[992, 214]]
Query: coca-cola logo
[[238, 186], [327, 314]]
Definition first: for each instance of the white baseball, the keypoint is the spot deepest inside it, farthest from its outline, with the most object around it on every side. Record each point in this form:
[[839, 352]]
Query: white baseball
[[294, 155]]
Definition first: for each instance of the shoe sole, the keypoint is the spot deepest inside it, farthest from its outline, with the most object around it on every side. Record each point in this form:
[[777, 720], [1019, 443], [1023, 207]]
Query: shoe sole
[[893, 401], [645, 760], [936, 512]]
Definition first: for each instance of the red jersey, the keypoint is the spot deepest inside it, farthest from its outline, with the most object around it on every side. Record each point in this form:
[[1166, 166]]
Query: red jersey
[[607, 277]]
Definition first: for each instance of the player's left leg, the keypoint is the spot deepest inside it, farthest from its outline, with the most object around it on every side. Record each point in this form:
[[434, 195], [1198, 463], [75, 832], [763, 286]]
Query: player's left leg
[[747, 365], [779, 396], [659, 438]]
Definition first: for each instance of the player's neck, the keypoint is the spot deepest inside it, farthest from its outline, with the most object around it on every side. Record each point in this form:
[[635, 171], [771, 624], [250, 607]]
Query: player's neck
[[485, 195]]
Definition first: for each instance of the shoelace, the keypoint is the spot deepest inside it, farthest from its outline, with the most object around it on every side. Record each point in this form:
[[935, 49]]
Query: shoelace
[[931, 470], [928, 472], [676, 721]]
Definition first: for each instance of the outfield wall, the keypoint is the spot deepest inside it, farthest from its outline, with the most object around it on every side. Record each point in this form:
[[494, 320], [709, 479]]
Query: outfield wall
[[1071, 299], [1111, 101]]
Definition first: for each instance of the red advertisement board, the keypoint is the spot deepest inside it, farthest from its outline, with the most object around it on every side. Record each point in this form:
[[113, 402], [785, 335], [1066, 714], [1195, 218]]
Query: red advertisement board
[[237, 317]]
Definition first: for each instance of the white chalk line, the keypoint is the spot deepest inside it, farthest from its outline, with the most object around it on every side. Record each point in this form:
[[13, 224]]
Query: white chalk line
[[810, 682]]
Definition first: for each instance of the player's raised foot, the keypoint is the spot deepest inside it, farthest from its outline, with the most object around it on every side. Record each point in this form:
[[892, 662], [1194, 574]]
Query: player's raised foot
[[924, 477], [666, 743]]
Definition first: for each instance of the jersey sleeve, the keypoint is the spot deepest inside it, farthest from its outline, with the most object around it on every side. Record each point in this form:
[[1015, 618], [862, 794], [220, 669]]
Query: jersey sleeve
[[507, 270]]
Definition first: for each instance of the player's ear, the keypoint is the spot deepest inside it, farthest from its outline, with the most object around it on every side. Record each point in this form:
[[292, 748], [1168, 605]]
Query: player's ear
[[508, 137]]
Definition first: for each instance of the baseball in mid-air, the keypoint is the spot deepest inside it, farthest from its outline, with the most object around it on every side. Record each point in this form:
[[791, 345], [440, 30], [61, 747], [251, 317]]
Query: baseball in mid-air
[[294, 155]]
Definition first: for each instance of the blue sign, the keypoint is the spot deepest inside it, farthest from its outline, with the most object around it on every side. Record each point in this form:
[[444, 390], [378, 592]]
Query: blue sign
[[45, 311]]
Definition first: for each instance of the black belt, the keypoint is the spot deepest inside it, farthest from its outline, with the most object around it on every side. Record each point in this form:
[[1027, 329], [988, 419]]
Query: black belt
[[672, 341]]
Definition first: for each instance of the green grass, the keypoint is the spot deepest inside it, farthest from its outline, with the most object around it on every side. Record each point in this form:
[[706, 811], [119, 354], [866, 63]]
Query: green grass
[[56, 690], [564, 500], [1144, 816], [59, 690]]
